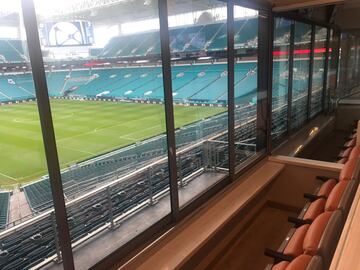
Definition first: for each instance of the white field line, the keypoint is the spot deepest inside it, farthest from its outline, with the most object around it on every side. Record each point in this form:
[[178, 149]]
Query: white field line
[[126, 137], [76, 150], [10, 177], [17, 120]]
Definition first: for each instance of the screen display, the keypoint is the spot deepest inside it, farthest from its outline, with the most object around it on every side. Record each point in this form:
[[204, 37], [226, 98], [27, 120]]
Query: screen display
[[58, 34]]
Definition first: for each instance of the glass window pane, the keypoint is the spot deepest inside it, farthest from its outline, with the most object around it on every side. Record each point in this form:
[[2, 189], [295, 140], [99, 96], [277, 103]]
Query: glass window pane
[[105, 82], [302, 43], [281, 55], [318, 70], [27, 238], [198, 42], [247, 96]]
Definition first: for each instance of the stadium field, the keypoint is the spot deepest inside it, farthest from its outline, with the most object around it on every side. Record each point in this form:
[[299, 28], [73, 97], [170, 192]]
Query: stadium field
[[83, 129]]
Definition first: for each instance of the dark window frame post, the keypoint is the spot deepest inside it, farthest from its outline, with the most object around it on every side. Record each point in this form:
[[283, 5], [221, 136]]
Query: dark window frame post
[[169, 108], [231, 88], [262, 80], [47, 128], [291, 76], [311, 68], [337, 56], [325, 92], [270, 66]]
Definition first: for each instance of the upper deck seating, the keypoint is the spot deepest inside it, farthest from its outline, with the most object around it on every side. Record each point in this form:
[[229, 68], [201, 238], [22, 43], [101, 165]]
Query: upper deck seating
[[189, 39], [11, 50]]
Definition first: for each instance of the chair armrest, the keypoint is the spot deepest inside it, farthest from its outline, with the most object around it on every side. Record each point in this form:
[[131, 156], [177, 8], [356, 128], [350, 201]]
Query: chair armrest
[[278, 256], [299, 222], [312, 197], [325, 178]]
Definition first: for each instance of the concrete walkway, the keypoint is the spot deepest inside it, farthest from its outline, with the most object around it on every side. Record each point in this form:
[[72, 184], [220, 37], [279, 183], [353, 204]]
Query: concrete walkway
[[19, 207]]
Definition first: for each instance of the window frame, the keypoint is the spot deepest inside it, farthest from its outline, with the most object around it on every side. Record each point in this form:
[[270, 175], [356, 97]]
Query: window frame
[[265, 62], [335, 57]]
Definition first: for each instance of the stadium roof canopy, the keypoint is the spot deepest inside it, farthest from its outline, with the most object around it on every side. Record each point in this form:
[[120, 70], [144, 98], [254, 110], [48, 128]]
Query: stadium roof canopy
[[343, 13], [101, 11]]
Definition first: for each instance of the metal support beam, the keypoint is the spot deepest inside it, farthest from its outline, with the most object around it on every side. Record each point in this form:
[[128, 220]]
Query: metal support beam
[[169, 108], [291, 76], [47, 128], [231, 88], [311, 68]]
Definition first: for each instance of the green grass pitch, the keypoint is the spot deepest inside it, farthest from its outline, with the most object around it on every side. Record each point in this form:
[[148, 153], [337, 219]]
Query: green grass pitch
[[83, 129]]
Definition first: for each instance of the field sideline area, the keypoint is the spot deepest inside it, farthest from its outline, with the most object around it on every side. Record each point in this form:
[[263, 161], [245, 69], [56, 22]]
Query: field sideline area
[[83, 129]]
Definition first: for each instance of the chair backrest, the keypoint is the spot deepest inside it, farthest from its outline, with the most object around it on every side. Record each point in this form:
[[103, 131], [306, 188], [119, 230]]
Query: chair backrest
[[355, 152], [347, 199], [316, 263], [350, 170], [335, 196], [315, 233], [330, 238], [302, 262], [327, 187]]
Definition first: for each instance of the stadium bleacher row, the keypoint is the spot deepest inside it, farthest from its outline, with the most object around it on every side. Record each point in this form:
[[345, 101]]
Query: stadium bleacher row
[[312, 241], [12, 50], [206, 83], [209, 37], [4, 208], [201, 83]]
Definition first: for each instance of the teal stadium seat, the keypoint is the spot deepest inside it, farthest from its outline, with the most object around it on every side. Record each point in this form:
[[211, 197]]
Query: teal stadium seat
[[4, 208], [11, 51]]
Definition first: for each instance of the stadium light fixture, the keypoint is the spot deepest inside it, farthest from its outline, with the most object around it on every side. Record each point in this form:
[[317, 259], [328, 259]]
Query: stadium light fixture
[[205, 58], [141, 61], [147, 2]]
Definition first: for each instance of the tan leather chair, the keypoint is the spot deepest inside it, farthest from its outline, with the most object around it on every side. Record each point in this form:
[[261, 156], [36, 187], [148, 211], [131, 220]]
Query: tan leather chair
[[302, 262], [339, 198], [318, 238]]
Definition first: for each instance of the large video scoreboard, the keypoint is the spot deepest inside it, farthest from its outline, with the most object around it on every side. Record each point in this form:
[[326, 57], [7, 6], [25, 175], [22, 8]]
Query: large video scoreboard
[[74, 33]]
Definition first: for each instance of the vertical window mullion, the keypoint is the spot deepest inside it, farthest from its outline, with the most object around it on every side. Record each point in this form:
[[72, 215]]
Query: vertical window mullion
[[169, 108], [311, 68], [337, 55], [231, 87], [326, 67], [269, 78], [47, 128], [263, 62], [291, 70]]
